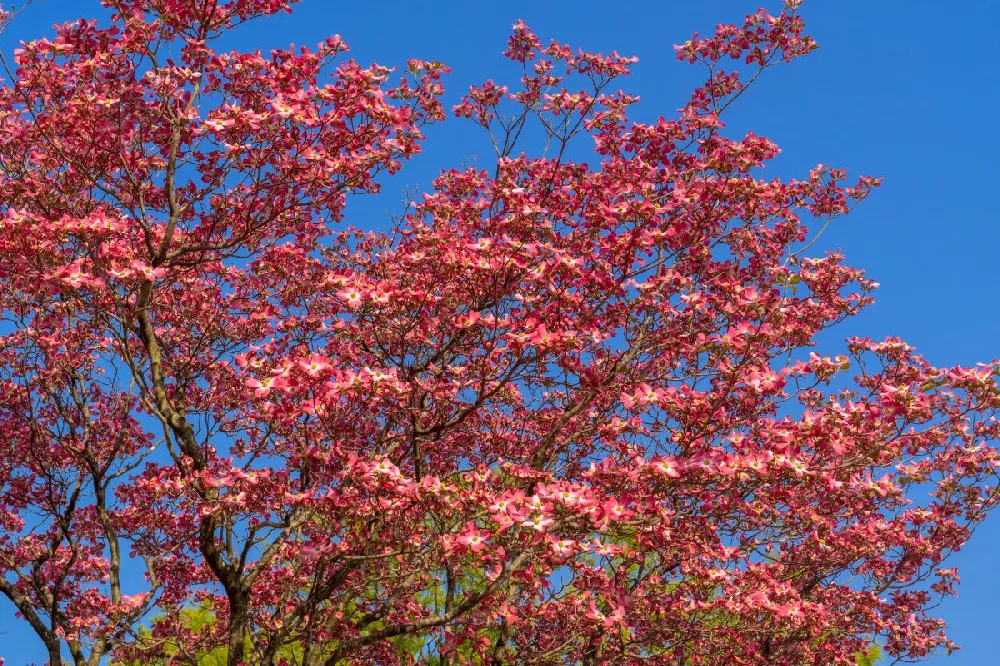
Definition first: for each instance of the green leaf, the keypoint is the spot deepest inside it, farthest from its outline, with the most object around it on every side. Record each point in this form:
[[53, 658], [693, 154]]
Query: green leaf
[[868, 658]]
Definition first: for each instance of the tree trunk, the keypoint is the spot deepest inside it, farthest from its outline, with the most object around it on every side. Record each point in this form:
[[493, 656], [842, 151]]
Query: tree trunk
[[238, 602]]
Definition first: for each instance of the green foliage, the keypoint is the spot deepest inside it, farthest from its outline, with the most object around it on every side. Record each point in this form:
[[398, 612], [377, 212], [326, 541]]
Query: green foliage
[[196, 619], [869, 658], [200, 617]]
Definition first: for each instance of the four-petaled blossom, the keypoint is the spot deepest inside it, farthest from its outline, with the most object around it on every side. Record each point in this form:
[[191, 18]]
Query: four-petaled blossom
[[262, 387], [315, 364], [616, 510], [790, 610], [282, 108], [667, 467], [647, 394], [538, 522], [616, 617], [473, 538], [146, 271], [563, 547], [351, 296]]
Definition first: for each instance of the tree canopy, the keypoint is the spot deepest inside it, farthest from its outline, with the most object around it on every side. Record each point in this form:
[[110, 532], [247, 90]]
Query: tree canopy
[[563, 412]]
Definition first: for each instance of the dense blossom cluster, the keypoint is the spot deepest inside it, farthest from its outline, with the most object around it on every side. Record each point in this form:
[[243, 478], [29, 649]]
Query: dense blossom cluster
[[562, 413]]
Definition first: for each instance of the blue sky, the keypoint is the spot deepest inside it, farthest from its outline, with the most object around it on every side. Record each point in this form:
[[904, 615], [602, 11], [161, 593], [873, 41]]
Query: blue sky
[[899, 88]]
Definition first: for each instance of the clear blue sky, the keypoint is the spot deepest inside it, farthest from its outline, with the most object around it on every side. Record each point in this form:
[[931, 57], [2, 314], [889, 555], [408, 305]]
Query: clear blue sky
[[899, 88]]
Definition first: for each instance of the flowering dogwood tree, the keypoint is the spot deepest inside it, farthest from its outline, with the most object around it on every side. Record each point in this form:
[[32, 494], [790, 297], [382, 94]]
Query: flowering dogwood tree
[[562, 413]]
